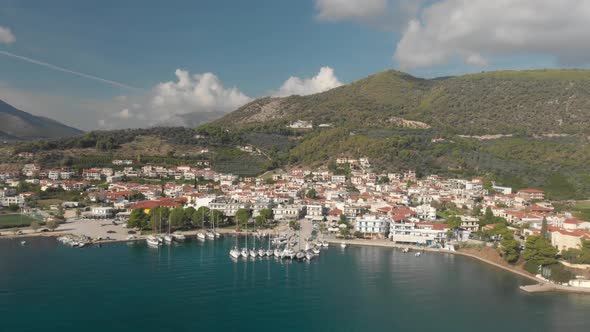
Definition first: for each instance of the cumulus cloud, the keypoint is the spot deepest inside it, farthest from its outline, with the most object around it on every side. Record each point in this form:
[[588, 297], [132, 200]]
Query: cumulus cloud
[[388, 14], [323, 81], [475, 30], [196, 93], [6, 36]]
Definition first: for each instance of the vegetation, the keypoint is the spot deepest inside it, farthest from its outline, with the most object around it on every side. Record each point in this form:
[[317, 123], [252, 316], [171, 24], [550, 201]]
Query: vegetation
[[538, 252], [15, 220], [578, 256]]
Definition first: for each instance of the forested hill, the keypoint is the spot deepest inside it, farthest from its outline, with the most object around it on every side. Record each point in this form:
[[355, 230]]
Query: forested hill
[[504, 102]]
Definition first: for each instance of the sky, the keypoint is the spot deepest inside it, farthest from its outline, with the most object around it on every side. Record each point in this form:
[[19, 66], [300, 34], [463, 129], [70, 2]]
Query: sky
[[118, 64]]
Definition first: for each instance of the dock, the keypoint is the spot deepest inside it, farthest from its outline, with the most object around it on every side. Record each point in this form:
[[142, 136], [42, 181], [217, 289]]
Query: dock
[[538, 288]]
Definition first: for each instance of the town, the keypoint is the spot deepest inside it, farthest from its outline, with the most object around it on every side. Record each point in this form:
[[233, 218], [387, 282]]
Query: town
[[345, 203]]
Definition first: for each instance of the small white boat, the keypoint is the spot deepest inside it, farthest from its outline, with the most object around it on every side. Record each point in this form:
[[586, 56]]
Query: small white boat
[[316, 250], [342, 245], [179, 237], [300, 255], [406, 250], [253, 253], [261, 252], [244, 253], [325, 244], [131, 237], [309, 256], [201, 236], [152, 241], [269, 253], [22, 243], [168, 238], [210, 235], [277, 253], [217, 234], [417, 254], [234, 253]]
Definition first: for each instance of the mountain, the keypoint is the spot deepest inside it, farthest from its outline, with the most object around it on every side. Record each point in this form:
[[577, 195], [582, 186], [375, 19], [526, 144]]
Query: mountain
[[16, 124], [505, 102], [518, 128]]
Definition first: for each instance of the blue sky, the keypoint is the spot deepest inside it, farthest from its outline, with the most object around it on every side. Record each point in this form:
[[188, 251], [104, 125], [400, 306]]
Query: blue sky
[[252, 46]]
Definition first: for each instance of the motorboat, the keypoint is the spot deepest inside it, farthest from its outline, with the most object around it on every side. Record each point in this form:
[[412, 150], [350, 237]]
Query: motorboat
[[201, 236], [343, 245], [300, 255], [261, 252], [406, 250], [309, 255], [418, 254], [277, 253], [210, 235], [269, 253], [325, 244], [316, 250], [179, 237]]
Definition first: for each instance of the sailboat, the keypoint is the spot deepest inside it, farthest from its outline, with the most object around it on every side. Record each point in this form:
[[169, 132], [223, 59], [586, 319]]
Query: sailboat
[[235, 252], [244, 252], [214, 231], [168, 238], [153, 241], [210, 235], [253, 252], [269, 252]]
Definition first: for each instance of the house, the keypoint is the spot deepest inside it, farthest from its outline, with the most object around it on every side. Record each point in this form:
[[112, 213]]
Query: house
[[403, 230], [102, 212], [531, 194], [287, 212], [372, 226], [314, 212], [564, 239]]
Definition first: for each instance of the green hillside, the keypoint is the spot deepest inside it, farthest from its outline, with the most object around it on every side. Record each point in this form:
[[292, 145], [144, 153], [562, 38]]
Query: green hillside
[[532, 127]]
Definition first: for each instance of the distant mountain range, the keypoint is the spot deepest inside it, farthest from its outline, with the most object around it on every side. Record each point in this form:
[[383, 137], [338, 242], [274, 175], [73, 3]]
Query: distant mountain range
[[18, 125]]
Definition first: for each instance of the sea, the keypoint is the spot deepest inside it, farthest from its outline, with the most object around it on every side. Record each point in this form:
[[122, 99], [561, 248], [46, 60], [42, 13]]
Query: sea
[[196, 286]]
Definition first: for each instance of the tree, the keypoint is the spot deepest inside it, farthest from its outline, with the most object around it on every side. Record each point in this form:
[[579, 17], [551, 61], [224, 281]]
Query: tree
[[560, 274], [52, 224], [311, 194], [343, 219], [488, 217], [176, 217], [539, 251], [13, 207], [200, 216], [477, 211], [266, 214], [137, 219], [294, 225], [509, 249], [188, 214], [544, 228], [35, 225], [454, 222], [242, 216]]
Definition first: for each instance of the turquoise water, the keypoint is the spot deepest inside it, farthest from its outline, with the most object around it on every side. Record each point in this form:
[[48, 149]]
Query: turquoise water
[[45, 286]]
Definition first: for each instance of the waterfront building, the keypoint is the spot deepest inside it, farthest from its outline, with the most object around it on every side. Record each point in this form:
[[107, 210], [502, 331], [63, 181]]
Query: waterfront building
[[372, 226]]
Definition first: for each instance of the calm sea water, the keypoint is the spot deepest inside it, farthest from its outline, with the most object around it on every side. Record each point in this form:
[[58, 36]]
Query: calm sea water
[[45, 286]]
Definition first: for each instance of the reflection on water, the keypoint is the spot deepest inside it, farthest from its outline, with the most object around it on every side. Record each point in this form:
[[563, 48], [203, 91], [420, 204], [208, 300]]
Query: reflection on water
[[197, 286]]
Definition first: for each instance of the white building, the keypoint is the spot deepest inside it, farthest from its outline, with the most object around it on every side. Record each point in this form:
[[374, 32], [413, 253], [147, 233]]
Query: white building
[[422, 233], [372, 226], [102, 212], [287, 212]]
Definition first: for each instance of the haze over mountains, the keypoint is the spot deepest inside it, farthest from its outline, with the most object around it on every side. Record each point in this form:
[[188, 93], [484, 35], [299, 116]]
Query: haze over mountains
[[19, 125]]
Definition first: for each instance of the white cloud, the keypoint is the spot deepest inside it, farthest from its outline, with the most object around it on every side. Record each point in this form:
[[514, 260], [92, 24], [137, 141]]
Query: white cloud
[[388, 14], [323, 81], [475, 30], [196, 93], [6, 36], [124, 114]]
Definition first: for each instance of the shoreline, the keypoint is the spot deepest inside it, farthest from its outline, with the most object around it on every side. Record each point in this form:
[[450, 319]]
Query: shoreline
[[540, 285]]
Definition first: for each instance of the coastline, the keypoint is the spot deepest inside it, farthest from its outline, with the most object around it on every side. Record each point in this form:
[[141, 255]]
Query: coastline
[[539, 285]]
